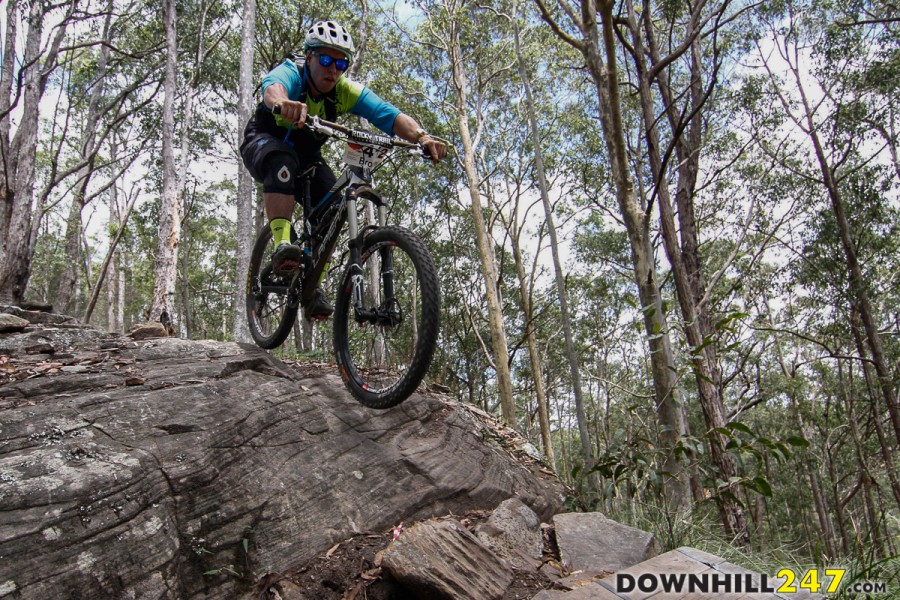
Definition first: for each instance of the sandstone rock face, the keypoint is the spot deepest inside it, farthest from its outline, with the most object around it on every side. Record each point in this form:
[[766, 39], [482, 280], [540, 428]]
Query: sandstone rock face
[[591, 542], [176, 469], [441, 560]]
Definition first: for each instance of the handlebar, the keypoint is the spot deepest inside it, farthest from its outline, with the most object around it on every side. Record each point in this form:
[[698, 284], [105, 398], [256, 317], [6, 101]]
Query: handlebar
[[330, 129]]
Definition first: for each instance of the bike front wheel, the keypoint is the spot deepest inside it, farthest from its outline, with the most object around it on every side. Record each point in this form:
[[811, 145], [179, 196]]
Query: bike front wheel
[[384, 350], [271, 308]]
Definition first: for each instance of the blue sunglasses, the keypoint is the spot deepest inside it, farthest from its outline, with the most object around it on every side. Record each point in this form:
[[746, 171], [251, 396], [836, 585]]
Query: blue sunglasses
[[340, 64]]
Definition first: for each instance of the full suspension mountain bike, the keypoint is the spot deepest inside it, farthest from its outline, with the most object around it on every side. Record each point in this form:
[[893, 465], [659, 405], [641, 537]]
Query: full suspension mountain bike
[[387, 308]]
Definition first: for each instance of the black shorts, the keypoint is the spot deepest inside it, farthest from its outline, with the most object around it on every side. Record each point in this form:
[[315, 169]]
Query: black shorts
[[259, 145]]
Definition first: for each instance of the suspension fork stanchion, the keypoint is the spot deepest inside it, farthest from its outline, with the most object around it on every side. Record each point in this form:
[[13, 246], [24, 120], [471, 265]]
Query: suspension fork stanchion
[[387, 260], [356, 274]]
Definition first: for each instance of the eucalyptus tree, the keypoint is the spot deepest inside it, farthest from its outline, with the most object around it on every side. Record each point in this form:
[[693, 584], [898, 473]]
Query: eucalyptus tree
[[69, 281], [208, 27], [163, 295], [245, 187], [458, 39], [543, 187], [515, 225], [23, 90], [822, 62], [676, 91], [594, 37]]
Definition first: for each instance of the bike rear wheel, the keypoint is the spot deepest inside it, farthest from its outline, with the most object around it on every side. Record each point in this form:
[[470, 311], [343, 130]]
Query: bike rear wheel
[[271, 309], [383, 354]]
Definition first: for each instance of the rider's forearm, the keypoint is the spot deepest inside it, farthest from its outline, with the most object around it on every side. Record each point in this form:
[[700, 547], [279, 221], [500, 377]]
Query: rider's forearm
[[407, 128], [273, 94]]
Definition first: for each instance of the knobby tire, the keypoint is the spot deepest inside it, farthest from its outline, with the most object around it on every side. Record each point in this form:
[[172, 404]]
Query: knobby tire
[[386, 377], [270, 316]]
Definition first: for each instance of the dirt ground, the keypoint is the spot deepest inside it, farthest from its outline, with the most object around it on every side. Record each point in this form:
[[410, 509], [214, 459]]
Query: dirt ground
[[350, 571]]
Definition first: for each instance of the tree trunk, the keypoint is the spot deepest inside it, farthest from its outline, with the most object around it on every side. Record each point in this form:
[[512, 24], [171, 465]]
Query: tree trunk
[[186, 317], [637, 225], [483, 239], [826, 529], [68, 285], [108, 260], [6, 90], [887, 448], [245, 192], [858, 290], [858, 287], [170, 209], [571, 354], [531, 342], [19, 162], [688, 286]]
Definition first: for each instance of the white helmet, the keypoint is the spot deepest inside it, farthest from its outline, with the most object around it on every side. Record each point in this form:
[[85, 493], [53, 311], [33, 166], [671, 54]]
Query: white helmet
[[328, 34]]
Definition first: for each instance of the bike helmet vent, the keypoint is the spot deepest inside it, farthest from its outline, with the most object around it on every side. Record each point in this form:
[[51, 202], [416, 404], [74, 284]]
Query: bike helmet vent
[[328, 34]]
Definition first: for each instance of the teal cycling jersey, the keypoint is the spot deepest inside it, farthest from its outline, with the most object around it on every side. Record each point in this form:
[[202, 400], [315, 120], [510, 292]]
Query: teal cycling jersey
[[352, 97]]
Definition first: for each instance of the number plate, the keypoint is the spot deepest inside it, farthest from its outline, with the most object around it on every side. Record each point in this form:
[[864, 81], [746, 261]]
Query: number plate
[[367, 157]]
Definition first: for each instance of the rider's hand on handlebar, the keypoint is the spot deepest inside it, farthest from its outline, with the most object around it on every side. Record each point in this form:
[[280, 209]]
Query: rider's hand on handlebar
[[291, 110], [435, 148]]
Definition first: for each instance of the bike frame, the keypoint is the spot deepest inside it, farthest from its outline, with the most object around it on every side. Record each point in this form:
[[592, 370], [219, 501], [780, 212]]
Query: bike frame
[[353, 183]]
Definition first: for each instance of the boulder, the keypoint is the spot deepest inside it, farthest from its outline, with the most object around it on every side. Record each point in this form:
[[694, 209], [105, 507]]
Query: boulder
[[591, 542], [47, 333], [513, 532], [148, 330], [176, 469], [441, 560], [11, 323]]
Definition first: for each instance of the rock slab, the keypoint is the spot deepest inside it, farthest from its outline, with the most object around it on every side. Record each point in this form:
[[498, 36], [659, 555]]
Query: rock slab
[[441, 560], [171, 469], [592, 542]]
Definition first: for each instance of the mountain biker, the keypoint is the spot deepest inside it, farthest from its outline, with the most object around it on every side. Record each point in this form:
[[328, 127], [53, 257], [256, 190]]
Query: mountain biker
[[312, 85]]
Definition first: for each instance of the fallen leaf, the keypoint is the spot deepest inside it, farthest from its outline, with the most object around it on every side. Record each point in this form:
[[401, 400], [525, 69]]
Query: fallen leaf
[[332, 550], [352, 594]]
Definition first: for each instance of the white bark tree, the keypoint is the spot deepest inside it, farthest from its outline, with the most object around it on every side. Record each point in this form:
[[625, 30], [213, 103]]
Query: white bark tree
[[163, 298], [452, 45], [245, 189], [18, 153], [594, 23], [68, 285]]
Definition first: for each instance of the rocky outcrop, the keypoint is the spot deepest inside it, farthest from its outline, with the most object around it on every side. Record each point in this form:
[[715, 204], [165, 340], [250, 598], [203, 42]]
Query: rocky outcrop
[[176, 469]]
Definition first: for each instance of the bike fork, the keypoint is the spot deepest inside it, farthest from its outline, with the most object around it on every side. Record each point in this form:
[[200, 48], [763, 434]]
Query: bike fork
[[378, 314]]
